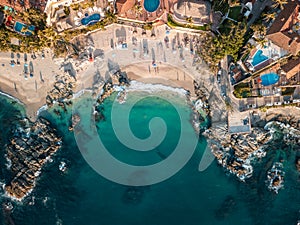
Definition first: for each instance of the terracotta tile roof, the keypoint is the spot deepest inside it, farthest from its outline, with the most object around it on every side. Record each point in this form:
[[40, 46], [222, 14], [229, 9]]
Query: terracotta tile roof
[[20, 5], [291, 67], [281, 34]]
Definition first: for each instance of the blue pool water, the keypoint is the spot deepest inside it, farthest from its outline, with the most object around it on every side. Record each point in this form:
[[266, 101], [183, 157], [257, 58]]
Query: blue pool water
[[258, 58], [151, 5], [90, 19], [269, 79], [19, 26]]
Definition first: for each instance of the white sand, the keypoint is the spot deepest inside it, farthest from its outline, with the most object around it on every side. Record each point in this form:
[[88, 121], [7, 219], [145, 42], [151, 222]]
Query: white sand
[[32, 92], [132, 60]]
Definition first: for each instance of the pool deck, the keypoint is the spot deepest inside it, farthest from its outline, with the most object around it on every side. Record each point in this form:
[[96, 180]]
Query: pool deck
[[126, 10]]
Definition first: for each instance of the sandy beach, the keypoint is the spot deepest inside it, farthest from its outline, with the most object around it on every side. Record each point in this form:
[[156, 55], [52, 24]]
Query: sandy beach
[[31, 91], [147, 59], [166, 75]]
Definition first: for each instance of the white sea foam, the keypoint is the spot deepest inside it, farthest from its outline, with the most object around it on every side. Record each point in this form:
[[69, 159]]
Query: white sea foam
[[151, 88], [11, 97], [79, 93], [43, 108]]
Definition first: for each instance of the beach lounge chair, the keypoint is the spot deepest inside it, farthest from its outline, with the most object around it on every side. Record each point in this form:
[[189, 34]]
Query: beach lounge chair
[[79, 14], [90, 10]]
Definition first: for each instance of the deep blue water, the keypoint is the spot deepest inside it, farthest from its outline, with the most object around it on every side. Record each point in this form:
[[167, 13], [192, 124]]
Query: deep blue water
[[90, 19], [81, 196], [258, 58], [269, 79], [151, 5]]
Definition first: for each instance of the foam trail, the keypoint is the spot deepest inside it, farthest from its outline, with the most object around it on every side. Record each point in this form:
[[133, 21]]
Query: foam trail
[[140, 86], [11, 97], [79, 93], [43, 108]]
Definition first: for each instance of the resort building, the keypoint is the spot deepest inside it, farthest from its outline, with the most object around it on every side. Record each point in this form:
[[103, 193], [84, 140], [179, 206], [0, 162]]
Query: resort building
[[54, 9], [192, 11], [141, 10], [20, 5], [285, 31], [291, 68], [70, 14]]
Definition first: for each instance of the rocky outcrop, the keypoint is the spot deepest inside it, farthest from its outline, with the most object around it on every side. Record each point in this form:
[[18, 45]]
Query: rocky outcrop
[[62, 89], [30, 148], [236, 151]]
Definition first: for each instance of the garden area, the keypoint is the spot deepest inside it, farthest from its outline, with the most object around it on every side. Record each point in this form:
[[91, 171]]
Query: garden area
[[235, 13], [173, 24], [242, 90], [287, 91]]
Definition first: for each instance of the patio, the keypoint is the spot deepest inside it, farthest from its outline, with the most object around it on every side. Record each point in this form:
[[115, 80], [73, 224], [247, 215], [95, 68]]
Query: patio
[[134, 10]]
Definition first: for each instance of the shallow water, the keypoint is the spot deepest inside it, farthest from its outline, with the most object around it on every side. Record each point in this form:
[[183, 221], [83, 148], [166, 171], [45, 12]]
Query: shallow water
[[81, 196]]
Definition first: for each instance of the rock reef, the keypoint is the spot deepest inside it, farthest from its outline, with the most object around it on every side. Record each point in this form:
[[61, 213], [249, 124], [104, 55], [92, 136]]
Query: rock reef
[[62, 89], [235, 152], [29, 149]]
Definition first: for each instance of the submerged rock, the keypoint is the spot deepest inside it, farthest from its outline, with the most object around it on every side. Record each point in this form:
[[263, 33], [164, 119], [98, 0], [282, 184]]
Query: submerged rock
[[227, 207], [133, 195]]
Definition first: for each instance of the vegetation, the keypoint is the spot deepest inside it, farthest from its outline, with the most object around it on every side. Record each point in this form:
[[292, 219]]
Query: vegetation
[[226, 26], [33, 17], [288, 90], [46, 36], [235, 12], [148, 26], [269, 16], [174, 24], [214, 49], [259, 29], [66, 10], [228, 105], [75, 6], [279, 3], [220, 5], [242, 90], [137, 9], [35, 42], [108, 19]]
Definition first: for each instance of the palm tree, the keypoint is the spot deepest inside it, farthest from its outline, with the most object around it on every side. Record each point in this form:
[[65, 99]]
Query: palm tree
[[248, 47], [259, 29], [269, 16], [189, 21], [138, 10], [261, 41], [280, 3]]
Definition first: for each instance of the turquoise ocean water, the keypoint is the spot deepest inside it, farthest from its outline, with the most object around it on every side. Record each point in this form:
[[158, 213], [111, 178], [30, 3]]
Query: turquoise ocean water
[[82, 197]]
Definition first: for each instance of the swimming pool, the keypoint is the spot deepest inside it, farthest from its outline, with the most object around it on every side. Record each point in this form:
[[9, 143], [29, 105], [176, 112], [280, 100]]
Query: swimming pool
[[269, 79], [151, 5], [90, 19], [258, 58], [24, 29]]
